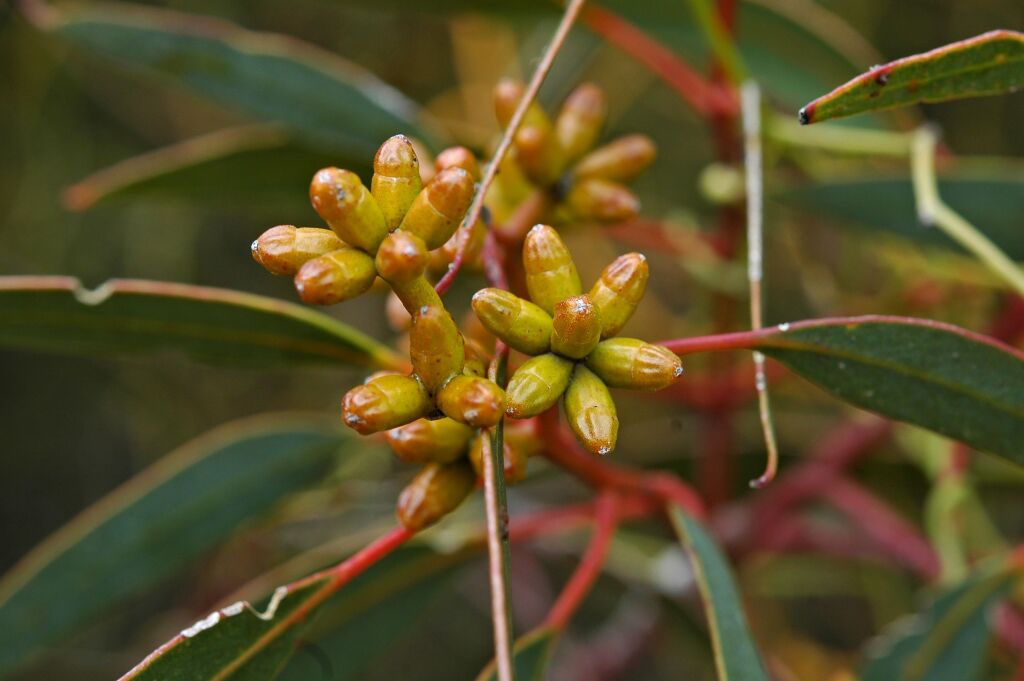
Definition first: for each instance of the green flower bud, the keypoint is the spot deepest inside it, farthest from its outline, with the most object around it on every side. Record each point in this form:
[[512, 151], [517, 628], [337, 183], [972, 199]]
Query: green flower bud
[[396, 179], [537, 385], [435, 347], [576, 327], [521, 324], [551, 274], [618, 291], [386, 402], [340, 198], [335, 277], [434, 493], [430, 441], [632, 363], [440, 207], [285, 248], [591, 411], [472, 400], [622, 160]]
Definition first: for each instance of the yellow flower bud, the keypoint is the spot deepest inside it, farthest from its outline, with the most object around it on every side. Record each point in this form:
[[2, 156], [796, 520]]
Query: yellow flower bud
[[435, 347], [632, 363], [602, 200], [384, 403], [576, 327], [618, 291], [507, 95], [472, 400], [285, 248], [521, 324], [340, 198], [622, 159], [579, 122], [458, 157], [514, 461], [335, 277], [537, 385], [591, 411], [401, 258], [430, 441], [434, 493], [440, 207], [396, 179], [551, 274]]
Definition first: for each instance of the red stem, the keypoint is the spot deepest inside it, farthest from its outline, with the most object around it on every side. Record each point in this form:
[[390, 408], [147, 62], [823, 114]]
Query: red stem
[[576, 589], [351, 567]]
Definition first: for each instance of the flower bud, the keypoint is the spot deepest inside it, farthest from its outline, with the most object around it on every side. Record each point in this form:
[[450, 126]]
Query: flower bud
[[632, 363], [579, 122], [396, 179], [477, 357], [458, 157], [618, 290], [401, 258], [591, 411], [435, 347], [507, 95], [430, 441], [622, 159], [340, 198], [537, 385], [514, 462], [722, 184], [537, 154], [416, 294], [442, 257], [521, 324], [285, 248], [335, 277], [384, 403], [576, 327], [522, 437], [434, 493], [440, 207], [472, 400], [550, 271], [602, 200]]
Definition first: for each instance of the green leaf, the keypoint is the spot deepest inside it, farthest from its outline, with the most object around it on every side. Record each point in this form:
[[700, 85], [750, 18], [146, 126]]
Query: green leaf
[[269, 77], [989, 64], [246, 165], [157, 524], [948, 641], [989, 195], [126, 316], [957, 383], [531, 654], [736, 657]]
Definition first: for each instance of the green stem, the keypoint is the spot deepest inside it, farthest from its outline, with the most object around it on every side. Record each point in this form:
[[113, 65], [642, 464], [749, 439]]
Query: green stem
[[931, 210], [722, 44], [838, 139]]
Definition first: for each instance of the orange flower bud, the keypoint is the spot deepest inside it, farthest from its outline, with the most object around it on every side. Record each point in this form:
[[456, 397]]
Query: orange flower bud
[[396, 179], [618, 291], [440, 207], [550, 271], [576, 327], [335, 277], [434, 493], [602, 200], [430, 441], [401, 258], [579, 122], [435, 347], [591, 411], [472, 400], [622, 159], [537, 154], [340, 198], [458, 157], [285, 248], [507, 95], [384, 403]]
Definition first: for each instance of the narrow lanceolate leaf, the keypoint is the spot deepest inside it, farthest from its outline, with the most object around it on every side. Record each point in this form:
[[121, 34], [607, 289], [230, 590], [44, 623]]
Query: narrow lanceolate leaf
[[736, 657], [531, 655], [939, 376], [126, 316], [989, 64], [157, 524], [270, 77], [948, 640]]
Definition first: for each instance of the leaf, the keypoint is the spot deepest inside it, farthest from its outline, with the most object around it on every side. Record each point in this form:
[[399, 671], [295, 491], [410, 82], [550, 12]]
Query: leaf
[[989, 64], [736, 657], [248, 165], [957, 383], [157, 524], [948, 641], [531, 654], [989, 195], [126, 316], [269, 77]]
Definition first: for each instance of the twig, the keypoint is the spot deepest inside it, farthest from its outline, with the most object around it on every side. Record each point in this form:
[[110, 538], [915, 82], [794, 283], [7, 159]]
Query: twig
[[751, 106], [572, 11], [932, 211]]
